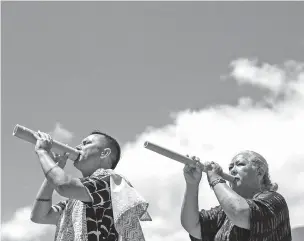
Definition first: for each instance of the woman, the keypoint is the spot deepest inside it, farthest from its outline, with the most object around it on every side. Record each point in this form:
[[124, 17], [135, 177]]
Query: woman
[[250, 209]]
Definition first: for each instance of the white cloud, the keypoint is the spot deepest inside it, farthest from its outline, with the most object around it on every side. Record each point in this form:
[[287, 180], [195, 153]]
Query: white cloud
[[61, 134], [21, 228], [267, 76], [218, 133]]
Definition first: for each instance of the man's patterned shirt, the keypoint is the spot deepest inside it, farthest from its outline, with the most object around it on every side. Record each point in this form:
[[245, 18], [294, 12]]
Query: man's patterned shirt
[[99, 214]]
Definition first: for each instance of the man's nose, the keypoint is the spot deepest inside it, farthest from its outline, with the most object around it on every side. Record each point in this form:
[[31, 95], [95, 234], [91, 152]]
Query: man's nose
[[78, 148]]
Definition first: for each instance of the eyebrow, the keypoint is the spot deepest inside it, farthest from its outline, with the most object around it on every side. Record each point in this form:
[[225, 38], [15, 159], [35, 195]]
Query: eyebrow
[[231, 164]]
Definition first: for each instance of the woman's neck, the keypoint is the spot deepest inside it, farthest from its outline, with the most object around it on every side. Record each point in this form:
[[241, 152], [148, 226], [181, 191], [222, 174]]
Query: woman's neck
[[249, 193]]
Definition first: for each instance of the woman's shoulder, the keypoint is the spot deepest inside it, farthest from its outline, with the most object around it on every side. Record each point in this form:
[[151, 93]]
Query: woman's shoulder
[[268, 194], [270, 197]]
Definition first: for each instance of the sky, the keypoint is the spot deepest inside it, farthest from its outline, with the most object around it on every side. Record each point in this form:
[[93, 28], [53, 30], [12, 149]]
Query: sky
[[202, 78]]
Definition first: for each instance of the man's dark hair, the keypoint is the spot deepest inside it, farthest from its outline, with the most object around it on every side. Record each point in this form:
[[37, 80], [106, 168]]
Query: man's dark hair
[[115, 147]]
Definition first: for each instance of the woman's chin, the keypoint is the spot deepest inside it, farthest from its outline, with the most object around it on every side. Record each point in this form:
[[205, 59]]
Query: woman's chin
[[236, 184]]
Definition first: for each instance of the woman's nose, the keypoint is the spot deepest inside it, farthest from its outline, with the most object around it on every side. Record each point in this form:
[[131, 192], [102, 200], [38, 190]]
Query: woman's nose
[[233, 171]]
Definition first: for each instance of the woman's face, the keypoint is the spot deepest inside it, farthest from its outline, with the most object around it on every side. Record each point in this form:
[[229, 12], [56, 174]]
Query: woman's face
[[245, 172]]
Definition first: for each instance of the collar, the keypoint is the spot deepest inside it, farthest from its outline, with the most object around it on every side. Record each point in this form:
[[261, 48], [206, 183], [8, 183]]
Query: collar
[[102, 172]]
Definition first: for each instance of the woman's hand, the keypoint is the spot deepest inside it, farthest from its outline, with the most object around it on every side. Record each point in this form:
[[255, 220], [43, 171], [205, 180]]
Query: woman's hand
[[213, 170], [193, 172], [213, 167]]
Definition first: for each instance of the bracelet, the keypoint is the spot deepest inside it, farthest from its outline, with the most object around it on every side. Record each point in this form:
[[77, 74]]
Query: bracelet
[[43, 200], [50, 170], [217, 181]]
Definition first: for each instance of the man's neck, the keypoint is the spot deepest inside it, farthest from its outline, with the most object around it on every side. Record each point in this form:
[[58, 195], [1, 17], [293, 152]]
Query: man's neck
[[87, 173]]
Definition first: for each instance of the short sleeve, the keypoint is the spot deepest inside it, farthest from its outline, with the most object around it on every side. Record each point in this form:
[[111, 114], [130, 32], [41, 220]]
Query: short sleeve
[[269, 217], [60, 206], [99, 189], [210, 222]]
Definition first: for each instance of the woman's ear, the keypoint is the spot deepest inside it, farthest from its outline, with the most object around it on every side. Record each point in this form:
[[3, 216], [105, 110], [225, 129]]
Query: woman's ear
[[260, 172], [105, 153]]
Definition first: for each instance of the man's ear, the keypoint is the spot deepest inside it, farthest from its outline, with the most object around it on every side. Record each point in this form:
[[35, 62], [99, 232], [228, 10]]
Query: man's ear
[[105, 153]]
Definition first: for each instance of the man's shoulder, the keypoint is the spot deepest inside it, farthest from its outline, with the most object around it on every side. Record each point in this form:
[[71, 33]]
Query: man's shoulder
[[105, 178], [102, 172], [97, 178], [105, 175]]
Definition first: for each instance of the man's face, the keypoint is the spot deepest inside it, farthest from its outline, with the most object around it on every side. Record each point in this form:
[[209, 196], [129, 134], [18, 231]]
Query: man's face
[[245, 173], [90, 150]]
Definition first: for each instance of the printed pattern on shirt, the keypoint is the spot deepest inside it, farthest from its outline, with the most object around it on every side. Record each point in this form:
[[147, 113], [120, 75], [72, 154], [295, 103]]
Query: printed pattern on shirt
[[269, 221], [269, 218], [99, 213], [59, 207], [72, 225]]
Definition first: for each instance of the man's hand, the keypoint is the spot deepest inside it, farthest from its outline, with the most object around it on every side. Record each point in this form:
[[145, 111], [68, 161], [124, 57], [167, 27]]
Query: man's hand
[[44, 142], [193, 173]]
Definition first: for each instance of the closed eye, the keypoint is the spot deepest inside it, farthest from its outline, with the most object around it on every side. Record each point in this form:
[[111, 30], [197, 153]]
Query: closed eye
[[85, 142]]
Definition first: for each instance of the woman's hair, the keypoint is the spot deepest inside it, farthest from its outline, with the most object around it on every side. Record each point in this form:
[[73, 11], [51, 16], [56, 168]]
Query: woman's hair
[[260, 162]]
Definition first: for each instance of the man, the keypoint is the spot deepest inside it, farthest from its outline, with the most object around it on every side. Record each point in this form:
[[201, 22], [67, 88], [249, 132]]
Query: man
[[87, 214], [250, 209]]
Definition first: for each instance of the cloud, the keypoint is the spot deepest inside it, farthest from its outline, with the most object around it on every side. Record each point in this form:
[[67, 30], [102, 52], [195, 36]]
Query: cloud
[[21, 228], [218, 133], [266, 76], [61, 134]]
